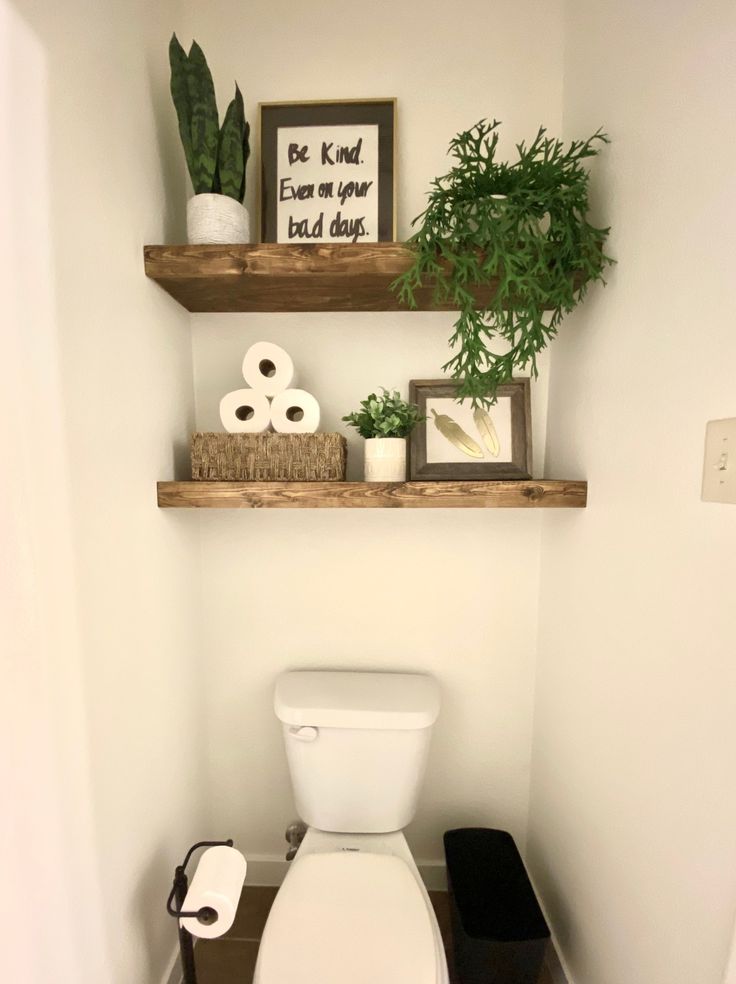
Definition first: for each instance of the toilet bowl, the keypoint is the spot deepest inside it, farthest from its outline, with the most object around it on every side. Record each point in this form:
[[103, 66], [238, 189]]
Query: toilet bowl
[[353, 907]]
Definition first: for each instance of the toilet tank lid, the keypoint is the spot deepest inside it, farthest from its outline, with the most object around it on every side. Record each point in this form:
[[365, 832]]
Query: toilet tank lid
[[346, 699]]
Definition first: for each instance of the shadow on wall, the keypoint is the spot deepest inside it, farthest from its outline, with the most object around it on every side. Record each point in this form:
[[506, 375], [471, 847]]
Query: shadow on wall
[[553, 901], [150, 892]]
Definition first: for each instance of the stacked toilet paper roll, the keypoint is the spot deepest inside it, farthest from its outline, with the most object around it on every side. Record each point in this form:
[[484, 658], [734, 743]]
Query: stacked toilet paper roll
[[294, 411], [268, 368], [245, 411], [270, 402]]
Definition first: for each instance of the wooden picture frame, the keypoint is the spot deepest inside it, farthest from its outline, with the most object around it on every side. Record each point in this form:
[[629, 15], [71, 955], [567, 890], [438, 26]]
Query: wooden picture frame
[[434, 456], [293, 189]]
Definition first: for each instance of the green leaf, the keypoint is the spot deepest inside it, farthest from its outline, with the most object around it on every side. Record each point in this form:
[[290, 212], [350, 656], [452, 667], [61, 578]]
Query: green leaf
[[246, 155], [230, 162], [526, 247], [204, 127], [180, 94]]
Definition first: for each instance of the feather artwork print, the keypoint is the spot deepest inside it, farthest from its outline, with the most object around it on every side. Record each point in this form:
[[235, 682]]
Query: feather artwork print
[[454, 433], [487, 430]]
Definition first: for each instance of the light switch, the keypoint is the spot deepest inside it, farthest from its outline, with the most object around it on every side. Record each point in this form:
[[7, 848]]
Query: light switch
[[719, 467]]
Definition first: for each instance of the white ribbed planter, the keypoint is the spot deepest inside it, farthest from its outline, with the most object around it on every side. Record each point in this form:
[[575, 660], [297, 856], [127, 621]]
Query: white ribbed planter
[[217, 219], [385, 459]]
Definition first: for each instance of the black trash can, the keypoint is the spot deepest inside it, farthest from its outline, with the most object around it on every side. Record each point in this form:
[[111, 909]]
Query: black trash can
[[499, 932]]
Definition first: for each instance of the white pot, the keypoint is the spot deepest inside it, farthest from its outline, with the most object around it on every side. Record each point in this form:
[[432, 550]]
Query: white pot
[[217, 219], [385, 459]]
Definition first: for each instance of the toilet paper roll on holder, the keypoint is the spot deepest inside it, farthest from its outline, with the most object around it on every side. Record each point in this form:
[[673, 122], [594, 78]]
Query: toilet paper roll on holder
[[205, 915]]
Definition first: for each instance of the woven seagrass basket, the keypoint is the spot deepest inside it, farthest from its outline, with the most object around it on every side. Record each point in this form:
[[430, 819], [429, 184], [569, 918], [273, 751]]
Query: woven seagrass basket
[[268, 457]]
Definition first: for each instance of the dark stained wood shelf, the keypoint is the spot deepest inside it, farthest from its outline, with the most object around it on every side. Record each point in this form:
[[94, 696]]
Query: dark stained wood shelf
[[542, 494], [287, 277]]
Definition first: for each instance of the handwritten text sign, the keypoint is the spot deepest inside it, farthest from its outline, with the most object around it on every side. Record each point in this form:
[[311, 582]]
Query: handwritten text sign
[[327, 184]]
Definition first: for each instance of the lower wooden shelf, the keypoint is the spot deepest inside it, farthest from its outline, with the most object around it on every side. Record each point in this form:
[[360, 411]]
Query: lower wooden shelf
[[530, 494]]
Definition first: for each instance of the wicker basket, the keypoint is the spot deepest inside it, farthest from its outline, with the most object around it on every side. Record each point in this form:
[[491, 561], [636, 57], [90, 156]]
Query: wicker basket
[[269, 457]]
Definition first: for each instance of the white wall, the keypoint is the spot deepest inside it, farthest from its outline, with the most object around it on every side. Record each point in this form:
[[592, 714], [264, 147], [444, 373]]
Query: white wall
[[633, 804], [46, 829], [114, 683], [454, 593], [109, 785]]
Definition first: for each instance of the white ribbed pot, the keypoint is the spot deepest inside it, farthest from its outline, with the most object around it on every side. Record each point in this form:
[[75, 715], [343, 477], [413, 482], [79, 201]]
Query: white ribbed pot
[[385, 459], [217, 219]]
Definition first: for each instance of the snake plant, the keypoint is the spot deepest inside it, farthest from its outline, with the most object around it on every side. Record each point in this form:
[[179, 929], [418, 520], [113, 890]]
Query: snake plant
[[510, 247], [216, 156]]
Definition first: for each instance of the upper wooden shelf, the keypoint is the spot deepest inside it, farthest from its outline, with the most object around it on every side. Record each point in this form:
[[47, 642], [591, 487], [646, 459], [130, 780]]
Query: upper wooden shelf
[[374, 495], [283, 277]]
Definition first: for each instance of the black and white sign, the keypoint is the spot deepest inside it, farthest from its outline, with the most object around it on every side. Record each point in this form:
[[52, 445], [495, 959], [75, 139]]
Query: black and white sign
[[326, 179]]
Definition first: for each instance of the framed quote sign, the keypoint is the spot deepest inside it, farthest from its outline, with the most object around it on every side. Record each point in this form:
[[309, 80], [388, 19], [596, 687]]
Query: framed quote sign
[[327, 171]]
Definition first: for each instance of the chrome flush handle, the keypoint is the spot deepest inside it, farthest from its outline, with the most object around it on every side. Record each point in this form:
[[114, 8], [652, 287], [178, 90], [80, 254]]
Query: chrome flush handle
[[304, 733]]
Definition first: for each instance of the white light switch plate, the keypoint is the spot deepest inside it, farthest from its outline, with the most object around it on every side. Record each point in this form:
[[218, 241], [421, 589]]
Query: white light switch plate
[[719, 467]]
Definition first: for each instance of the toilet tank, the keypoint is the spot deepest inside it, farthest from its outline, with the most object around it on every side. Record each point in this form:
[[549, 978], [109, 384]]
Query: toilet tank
[[356, 745]]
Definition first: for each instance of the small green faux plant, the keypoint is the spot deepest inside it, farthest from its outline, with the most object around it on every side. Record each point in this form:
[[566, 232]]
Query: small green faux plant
[[385, 416], [216, 157]]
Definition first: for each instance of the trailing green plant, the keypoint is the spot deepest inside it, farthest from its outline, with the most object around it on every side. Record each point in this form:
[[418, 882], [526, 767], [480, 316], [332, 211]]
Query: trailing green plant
[[216, 157], [385, 416], [518, 234]]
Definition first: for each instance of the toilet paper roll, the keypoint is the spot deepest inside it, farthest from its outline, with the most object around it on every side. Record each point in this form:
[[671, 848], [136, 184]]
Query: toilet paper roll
[[268, 368], [245, 411], [294, 412], [217, 884]]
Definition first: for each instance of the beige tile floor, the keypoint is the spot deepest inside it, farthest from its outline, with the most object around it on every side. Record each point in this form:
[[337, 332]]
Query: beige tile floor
[[232, 958]]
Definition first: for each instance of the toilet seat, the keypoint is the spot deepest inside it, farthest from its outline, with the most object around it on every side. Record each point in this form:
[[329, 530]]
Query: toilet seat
[[348, 916]]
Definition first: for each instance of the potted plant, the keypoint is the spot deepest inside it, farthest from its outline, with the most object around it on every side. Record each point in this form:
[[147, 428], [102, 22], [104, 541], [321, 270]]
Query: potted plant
[[216, 156], [385, 422], [515, 235]]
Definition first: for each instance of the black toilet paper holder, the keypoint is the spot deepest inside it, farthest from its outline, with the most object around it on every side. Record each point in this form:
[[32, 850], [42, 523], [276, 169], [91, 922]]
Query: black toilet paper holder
[[205, 915]]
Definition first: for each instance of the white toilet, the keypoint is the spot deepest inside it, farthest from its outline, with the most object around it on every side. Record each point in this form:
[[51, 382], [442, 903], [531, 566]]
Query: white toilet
[[353, 908]]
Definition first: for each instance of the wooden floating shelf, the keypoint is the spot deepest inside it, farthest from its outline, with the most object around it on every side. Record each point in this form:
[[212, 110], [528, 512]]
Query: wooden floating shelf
[[287, 277], [529, 494]]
